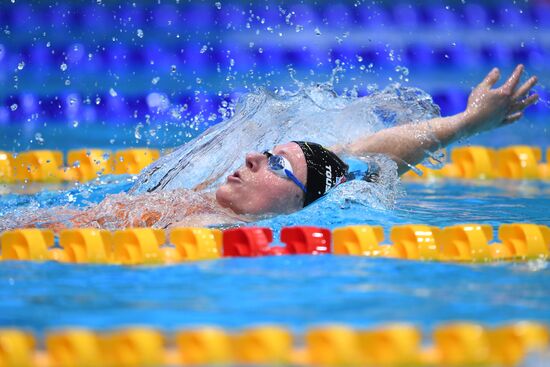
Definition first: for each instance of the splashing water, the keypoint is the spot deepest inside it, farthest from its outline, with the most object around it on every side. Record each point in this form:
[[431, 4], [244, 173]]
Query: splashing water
[[263, 119]]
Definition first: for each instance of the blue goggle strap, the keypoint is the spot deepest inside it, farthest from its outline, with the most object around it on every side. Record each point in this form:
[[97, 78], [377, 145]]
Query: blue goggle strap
[[295, 180]]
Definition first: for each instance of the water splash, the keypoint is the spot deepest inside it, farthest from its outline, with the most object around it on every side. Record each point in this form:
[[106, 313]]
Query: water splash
[[263, 119]]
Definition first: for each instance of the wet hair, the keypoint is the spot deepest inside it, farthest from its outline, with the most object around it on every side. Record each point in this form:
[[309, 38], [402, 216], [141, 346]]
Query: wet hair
[[324, 170]]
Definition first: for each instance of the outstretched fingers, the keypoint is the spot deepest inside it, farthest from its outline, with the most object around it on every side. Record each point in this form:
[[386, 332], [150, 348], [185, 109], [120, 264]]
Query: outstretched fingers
[[512, 82], [525, 88], [523, 104], [491, 78]]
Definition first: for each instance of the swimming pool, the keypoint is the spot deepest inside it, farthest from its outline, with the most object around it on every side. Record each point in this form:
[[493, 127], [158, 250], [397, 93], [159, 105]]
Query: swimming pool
[[152, 69]]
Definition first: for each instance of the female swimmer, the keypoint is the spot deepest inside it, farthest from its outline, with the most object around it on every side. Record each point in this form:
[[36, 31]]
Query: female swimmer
[[293, 175]]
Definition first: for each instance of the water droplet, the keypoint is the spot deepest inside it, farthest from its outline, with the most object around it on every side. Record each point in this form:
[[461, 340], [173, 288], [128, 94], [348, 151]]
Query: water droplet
[[402, 69], [21, 65], [288, 16], [75, 123], [203, 49], [97, 100], [13, 107], [140, 33], [198, 80], [173, 68], [155, 80], [113, 92], [63, 67], [317, 31], [218, 5], [39, 139], [137, 133]]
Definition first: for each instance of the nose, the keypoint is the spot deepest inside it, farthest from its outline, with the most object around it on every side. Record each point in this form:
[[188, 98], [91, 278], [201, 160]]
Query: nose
[[254, 161]]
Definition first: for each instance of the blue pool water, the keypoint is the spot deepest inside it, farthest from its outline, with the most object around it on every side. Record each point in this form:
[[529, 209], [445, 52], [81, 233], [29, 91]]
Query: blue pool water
[[295, 291], [299, 290], [119, 75]]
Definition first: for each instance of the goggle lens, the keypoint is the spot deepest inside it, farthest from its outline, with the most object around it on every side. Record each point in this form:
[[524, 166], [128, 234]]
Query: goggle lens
[[282, 168]]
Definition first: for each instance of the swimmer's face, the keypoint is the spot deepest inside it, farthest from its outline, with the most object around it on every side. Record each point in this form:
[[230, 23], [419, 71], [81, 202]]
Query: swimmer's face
[[255, 189]]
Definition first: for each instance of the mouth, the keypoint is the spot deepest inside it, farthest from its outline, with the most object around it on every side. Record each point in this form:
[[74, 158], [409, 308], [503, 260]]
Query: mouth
[[235, 177]]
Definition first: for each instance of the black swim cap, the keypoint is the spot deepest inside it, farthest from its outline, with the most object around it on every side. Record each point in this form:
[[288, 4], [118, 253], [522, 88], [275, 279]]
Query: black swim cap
[[324, 170]]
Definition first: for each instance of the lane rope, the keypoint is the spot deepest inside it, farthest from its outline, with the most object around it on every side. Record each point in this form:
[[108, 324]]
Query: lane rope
[[469, 243]]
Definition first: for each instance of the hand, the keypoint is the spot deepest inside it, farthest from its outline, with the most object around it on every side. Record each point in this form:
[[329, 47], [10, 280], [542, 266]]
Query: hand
[[491, 108]]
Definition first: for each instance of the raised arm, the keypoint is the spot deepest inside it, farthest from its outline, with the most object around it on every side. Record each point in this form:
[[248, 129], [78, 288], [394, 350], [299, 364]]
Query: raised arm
[[488, 108]]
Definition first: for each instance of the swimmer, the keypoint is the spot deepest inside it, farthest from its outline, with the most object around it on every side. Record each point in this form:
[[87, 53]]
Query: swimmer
[[291, 176]]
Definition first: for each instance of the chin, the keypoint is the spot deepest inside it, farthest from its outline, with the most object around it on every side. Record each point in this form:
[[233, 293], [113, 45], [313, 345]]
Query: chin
[[223, 197]]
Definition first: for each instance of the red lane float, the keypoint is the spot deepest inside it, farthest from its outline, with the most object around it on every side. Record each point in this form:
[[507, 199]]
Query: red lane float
[[306, 240], [254, 241], [247, 241]]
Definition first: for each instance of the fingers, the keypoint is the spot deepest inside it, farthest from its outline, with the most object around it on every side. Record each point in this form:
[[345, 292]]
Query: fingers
[[523, 104], [512, 118], [524, 89], [491, 78], [513, 81]]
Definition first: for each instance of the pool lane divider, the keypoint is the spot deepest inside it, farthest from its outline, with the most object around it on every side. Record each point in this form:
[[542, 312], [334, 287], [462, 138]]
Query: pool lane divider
[[148, 246], [82, 165], [519, 162], [387, 345]]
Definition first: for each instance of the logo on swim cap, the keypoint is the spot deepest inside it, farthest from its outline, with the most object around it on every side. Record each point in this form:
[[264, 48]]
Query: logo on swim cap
[[328, 177]]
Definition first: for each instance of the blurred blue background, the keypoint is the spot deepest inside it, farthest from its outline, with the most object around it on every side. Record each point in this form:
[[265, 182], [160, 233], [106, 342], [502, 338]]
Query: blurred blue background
[[157, 73]]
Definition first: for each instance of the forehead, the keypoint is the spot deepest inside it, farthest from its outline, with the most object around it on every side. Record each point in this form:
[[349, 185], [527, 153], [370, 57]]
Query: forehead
[[287, 149]]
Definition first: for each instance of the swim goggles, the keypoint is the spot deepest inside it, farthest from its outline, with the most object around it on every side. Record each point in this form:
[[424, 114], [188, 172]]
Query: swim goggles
[[282, 168]]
